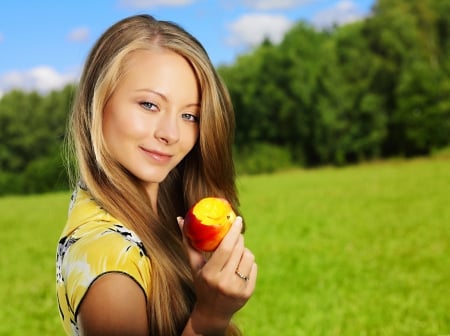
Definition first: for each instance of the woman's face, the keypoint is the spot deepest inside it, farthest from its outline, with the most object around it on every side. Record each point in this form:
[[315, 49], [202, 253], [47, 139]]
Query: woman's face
[[150, 122]]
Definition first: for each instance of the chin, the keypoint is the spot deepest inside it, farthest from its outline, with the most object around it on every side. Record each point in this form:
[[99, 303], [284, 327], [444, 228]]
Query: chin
[[158, 178]]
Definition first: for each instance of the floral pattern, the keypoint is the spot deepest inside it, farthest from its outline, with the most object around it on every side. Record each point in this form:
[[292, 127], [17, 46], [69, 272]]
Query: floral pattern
[[93, 243]]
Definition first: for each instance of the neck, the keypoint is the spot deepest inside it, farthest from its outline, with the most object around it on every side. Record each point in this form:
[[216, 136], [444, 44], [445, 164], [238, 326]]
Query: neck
[[152, 192]]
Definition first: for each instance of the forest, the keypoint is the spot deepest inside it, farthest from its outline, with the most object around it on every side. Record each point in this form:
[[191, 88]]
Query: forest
[[374, 89]]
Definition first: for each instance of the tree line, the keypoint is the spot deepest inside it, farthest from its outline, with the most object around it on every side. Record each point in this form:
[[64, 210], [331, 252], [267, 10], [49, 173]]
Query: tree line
[[376, 88], [32, 128], [372, 89]]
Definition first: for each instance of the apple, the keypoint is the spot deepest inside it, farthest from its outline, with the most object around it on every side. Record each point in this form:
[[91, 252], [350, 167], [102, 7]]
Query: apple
[[207, 222]]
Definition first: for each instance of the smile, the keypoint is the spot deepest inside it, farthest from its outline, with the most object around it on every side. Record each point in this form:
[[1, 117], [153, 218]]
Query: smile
[[156, 155]]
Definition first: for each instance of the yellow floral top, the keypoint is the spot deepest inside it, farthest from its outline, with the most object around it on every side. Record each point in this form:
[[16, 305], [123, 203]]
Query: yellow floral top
[[94, 243]]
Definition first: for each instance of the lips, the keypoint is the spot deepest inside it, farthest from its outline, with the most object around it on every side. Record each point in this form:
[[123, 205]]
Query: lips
[[156, 155]]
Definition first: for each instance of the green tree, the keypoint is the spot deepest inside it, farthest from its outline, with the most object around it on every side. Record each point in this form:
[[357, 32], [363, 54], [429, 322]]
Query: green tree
[[31, 132], [411, 73], [272, 91], [351, 121], [18, 111]]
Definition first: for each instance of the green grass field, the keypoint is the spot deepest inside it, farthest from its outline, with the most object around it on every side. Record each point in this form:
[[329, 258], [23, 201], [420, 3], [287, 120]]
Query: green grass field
[[361, 250]]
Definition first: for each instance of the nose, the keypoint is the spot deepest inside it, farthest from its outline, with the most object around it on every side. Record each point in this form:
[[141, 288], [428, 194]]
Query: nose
[[166, 128]]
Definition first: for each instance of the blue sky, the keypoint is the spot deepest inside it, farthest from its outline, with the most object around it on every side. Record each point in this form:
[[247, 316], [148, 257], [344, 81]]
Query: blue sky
[[43, 44]]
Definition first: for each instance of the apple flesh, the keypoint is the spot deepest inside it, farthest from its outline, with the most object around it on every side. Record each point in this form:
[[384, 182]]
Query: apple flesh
[[207, 222]]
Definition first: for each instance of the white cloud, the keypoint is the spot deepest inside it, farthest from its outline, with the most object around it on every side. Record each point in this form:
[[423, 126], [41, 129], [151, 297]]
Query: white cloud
[[252, 29], [80, 34], [345, 11], [142, 4], [42, 79], [274, 4]]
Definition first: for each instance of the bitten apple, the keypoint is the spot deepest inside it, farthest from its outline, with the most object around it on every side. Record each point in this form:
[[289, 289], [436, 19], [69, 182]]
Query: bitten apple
[[207, 222]]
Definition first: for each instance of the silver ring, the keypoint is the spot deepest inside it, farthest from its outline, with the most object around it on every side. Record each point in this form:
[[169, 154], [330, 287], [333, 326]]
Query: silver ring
[[242, 276]]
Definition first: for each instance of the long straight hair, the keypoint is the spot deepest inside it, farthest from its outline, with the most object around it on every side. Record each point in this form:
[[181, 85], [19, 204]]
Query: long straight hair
[[207, 170]]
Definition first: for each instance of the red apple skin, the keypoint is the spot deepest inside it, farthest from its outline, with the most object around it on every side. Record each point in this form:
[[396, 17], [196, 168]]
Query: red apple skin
[[204, 233]]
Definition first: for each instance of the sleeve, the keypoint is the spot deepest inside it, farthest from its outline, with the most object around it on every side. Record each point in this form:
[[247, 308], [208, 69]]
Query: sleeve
[[101, 250]]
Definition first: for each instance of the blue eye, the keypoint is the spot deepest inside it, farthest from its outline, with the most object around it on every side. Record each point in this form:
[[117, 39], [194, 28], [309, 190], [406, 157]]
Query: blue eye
[[190, 117], [148, 105]]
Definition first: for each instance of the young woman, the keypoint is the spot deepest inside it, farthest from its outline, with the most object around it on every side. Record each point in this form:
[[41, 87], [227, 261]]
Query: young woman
[[151, 130]]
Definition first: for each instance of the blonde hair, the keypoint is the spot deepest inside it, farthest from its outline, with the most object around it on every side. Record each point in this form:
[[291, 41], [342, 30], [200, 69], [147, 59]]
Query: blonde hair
[[207, 170]]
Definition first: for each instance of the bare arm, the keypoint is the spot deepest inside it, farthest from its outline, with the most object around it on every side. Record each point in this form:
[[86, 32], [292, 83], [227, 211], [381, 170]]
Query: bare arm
[[114, 305]]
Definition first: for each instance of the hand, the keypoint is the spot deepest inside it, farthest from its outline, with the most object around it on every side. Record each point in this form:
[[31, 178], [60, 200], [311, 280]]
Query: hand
[[219, 289]]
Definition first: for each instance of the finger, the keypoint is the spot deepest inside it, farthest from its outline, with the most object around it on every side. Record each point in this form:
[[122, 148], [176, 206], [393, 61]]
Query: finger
[[247, 281], [246, 263], [226, 248], [245, 285], [235, 258], [196, 258], [251, 283]]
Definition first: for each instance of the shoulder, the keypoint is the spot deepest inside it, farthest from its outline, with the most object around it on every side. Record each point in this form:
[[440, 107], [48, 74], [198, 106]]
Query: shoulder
[[96, 257], [94, 242], [96, 248], [114, 305]]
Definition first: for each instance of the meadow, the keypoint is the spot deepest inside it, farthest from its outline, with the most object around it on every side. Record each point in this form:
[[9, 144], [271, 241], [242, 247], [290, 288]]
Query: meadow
[[360, 250]]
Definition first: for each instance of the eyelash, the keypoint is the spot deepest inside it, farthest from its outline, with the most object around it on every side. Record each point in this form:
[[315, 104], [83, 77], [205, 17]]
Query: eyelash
[[188, 115], [148, 105]]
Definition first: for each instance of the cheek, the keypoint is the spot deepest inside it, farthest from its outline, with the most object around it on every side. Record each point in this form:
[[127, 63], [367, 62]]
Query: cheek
[[188, 138], [193, 138], [123, 125]]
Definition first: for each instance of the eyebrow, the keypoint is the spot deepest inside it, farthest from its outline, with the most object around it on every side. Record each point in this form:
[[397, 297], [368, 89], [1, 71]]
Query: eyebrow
[[164, 97]]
